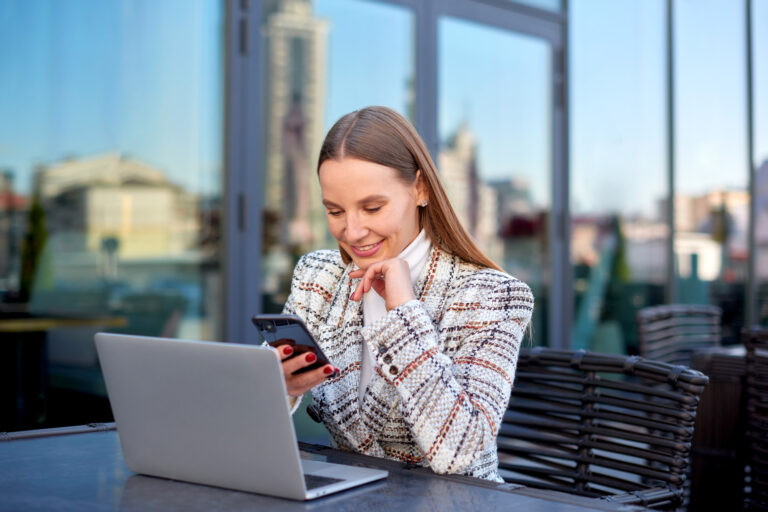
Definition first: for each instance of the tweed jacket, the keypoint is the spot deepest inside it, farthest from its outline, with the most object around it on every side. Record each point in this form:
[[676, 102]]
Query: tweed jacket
[[444, 363]]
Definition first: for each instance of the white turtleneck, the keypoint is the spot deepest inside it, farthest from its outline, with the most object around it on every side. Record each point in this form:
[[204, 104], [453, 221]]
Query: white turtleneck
[[374, 306]]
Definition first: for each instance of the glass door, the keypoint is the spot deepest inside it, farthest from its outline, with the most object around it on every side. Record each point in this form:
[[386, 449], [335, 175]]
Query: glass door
[[498, 96]]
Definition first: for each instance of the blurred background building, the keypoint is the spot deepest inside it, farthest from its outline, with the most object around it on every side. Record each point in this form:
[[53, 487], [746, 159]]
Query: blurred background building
[[158, 162]]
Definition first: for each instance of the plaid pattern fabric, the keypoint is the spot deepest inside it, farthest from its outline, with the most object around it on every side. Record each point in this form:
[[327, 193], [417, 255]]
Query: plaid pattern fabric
[[445, 363]]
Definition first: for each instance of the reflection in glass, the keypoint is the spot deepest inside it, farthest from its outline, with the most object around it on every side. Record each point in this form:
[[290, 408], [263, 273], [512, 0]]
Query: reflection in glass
[[110, 189], [296, 54], [760, 156], [495, 151], [618, 167], [711, 177], [323, 59]]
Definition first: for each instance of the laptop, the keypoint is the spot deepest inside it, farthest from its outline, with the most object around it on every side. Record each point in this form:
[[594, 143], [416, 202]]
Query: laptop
[[212, 413]]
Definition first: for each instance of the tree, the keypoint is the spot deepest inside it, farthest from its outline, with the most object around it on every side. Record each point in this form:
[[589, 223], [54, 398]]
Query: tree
[[32, 247]]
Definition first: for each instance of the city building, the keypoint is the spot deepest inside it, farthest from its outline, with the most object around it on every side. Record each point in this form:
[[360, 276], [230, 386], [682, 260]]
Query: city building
[[13, 215], [474, 201], [113, 203]]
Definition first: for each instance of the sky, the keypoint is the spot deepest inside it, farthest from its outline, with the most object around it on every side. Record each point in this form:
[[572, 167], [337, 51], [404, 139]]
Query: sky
[[509, 114], [83, 77], [760, 86], [370, 56], [617, 100], [710, 96], [80, 77], [618, 106]]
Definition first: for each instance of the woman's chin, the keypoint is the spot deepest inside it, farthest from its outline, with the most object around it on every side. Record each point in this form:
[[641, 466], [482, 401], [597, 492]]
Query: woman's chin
[[361, 264], [364, 263]]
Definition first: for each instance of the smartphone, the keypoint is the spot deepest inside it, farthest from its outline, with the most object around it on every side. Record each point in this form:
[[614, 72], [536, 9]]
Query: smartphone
[[278, 330]]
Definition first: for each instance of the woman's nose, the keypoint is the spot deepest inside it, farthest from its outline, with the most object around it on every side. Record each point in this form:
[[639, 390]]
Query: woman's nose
[[356, 230]]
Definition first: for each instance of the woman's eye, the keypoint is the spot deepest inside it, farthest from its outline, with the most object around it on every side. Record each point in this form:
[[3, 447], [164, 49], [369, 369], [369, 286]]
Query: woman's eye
[[334, 213], [373, 209]]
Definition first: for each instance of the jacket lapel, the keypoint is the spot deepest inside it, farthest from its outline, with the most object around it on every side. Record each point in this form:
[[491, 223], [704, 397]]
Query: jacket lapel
[[432, 286]]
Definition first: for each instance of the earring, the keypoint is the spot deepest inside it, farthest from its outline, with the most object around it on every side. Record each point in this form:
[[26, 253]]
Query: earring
[[423, 204]]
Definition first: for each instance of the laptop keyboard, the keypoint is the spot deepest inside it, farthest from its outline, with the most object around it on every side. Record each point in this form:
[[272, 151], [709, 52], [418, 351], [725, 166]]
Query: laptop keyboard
[[314, 481]]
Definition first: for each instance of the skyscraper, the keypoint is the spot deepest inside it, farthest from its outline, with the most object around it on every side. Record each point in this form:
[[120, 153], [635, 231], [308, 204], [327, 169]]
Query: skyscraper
[[474, 201], [296, 48]]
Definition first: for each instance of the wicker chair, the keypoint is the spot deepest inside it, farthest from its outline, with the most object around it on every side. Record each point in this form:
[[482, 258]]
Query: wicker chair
[[756, 342], [672, 332], [600, 425]]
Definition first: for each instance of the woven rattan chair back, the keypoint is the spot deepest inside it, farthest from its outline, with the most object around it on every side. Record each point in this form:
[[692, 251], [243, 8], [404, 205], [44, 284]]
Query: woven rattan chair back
[[673, 332], [756, 489], [600, 425]]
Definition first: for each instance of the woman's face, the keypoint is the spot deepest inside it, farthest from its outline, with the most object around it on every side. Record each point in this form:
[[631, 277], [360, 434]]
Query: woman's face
[[370, 211]]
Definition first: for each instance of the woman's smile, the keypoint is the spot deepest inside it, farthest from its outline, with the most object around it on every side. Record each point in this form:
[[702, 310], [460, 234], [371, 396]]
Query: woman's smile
[[366, 251]]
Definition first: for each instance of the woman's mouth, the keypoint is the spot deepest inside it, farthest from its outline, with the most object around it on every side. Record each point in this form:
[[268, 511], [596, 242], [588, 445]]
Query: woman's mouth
[[366, 251]]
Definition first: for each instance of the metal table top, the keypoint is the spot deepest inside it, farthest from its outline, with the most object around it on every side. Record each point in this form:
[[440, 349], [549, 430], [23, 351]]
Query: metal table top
[[82, 468]]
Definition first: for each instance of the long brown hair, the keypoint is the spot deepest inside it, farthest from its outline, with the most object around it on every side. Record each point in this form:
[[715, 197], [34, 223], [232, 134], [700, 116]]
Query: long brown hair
[[382, 136]]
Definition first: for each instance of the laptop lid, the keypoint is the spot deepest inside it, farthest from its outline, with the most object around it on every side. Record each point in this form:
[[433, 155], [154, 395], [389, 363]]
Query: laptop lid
[[203, 412]]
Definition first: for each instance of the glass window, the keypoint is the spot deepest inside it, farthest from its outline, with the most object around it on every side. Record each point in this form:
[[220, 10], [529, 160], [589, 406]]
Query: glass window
[[110, 189], [323, 59], [618, 165], [495, 156], [711, 172], [760, 156]]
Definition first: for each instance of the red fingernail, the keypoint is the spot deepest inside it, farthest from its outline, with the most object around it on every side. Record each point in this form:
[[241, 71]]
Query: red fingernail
[[287, 351], [328, 370], [311, 358]]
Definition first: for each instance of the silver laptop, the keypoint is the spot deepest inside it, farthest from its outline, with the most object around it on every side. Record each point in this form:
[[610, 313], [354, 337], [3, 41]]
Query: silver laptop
[[214, 414]]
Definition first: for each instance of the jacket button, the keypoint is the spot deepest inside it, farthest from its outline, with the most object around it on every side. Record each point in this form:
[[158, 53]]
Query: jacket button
[[387, 359], [393, 370]]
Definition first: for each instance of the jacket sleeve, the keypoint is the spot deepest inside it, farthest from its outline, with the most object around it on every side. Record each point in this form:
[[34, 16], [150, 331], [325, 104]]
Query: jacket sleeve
[[454, 379]]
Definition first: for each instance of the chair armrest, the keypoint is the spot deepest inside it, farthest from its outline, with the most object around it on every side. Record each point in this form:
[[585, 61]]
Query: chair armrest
[[656, 498]]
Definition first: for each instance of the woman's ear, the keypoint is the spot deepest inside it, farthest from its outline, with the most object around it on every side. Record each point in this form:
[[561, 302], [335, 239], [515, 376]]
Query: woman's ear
[[422, 196]]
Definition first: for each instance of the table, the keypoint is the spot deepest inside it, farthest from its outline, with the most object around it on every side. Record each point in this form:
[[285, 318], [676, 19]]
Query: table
[[42, 324], [719, 445], [23, 365], [82, 468]]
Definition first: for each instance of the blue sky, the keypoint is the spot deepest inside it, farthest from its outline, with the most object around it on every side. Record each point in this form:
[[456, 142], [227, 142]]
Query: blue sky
[[618, 112], [370, 56], [509, 113], [617, 99], [760, 63], [80, 77], [711, 96]]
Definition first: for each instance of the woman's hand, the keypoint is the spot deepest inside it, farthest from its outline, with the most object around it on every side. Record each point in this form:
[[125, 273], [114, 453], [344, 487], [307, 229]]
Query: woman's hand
[[300, 383], [389, 278]]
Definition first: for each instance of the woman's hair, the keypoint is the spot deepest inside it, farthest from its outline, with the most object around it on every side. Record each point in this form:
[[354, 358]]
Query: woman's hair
[[382, 136]]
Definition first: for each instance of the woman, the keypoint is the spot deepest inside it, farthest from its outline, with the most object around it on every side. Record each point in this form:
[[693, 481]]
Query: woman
[[423, 329]]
